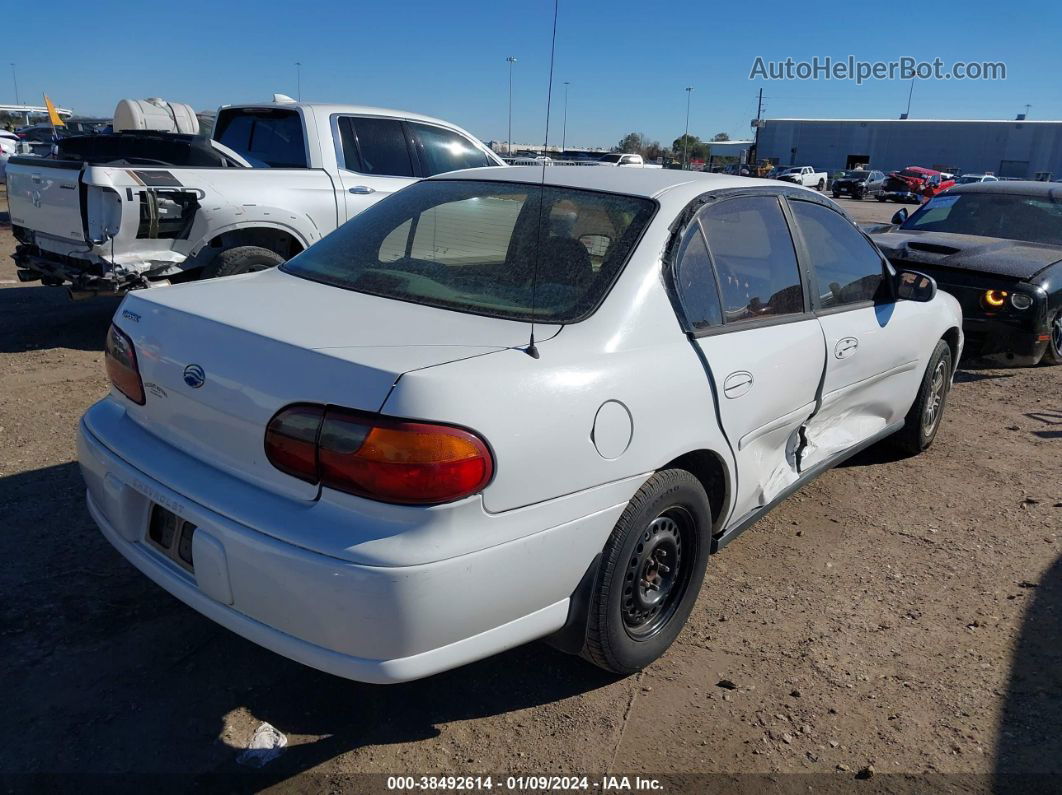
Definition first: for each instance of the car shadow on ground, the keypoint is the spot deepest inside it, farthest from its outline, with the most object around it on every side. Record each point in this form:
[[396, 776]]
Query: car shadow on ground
[[968, 375], [107, 673], [1029, 742], [35, 317]]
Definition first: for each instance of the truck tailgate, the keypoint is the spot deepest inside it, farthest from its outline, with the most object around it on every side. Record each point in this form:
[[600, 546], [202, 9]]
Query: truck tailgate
[[45, 196]]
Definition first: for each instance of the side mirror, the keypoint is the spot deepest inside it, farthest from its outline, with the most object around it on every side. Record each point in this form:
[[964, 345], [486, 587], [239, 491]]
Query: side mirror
[[900, 216], [915, 286]]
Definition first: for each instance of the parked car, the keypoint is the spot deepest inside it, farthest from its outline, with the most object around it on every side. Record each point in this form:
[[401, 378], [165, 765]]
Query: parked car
[[9, 144], [502, 405], [997, 247], [140, 209], [914, 184], [969, 179], [803, 175], [858, 184], [621, 160]]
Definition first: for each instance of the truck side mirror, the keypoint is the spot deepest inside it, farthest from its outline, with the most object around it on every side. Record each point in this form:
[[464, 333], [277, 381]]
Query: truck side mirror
[[900, 216]]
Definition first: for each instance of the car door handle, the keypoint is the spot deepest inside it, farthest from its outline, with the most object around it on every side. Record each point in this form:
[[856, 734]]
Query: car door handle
[[737, 384], [362, 190], [845, 347]]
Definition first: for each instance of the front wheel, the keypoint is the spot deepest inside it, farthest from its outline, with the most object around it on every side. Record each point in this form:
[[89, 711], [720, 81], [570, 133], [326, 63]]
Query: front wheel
[[882, 198], [651, 571], [822, 185], [1053, 352], [836, 195], [923, 420]]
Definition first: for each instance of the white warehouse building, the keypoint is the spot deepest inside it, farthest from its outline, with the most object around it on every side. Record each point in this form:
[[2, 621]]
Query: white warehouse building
[[1018, 148]]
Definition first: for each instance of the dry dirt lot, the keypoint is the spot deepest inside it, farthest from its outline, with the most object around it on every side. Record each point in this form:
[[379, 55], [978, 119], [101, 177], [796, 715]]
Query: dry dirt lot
[[904, 614]]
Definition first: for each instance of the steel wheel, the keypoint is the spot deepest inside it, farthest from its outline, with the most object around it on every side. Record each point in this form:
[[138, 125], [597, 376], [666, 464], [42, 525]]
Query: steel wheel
[[935, 399], [658, 573]]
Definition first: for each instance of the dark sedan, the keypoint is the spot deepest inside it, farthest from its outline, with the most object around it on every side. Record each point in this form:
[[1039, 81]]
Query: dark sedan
[[997, 247], [858, 184]]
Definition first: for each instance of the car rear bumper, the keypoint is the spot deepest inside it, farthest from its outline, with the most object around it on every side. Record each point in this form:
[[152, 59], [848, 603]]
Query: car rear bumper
[[999, 343], [370, 623]]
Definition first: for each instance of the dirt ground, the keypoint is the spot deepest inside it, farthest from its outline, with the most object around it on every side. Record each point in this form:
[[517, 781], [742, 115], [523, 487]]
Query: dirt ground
[[904, 614]]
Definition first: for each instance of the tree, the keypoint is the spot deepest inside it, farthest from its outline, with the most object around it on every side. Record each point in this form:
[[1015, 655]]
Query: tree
[[632, 143], [653, 150], [718, 137], [693, 147]]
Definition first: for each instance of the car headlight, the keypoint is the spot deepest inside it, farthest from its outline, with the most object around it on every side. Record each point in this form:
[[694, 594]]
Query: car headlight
[[1021, 300], [994, 299]]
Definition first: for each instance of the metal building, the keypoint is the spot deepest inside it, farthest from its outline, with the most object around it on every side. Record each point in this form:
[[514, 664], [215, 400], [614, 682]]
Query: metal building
[[1019, 148]]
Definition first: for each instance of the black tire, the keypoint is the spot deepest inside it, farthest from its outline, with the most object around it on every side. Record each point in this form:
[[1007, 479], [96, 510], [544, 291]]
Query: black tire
[[1053, 352], [858, 194], [822, 185], [639, 604], [241, 259], [836, 195], [882, 198], [923, 420]]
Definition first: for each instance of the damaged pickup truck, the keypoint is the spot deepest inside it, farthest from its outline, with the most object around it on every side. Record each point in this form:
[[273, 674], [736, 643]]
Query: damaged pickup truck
[[111, 213]]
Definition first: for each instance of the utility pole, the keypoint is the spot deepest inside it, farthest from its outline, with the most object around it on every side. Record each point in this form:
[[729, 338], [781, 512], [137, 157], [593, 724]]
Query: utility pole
[[509, 148], [910, 93], [755, 153], [564, 128], [686, 135], [1027, 106], [14, 79], [298, 77]]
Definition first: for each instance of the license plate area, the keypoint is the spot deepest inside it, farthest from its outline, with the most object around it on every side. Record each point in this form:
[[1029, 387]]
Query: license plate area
[[172, 536]]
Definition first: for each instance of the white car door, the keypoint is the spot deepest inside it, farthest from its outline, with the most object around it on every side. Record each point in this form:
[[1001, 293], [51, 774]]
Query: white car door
[[872, 341], [740, 289], [376, 158]]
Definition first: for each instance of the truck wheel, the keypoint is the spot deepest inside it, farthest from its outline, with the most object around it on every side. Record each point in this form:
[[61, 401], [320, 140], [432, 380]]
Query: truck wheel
[[822, 185], [241, 259], [651, 570], [923, 420], [882, 198], [1053, 352]]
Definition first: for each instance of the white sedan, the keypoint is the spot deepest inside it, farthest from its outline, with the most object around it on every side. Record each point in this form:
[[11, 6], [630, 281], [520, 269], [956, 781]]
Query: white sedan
[[501, 405]]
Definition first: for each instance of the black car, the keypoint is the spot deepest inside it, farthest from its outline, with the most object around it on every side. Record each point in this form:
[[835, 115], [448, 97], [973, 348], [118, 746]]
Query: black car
[[997, 247], [858, 184]]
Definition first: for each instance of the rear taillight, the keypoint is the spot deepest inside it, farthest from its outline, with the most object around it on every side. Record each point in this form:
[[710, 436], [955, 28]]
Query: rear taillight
[[380, 458], [120, 356]]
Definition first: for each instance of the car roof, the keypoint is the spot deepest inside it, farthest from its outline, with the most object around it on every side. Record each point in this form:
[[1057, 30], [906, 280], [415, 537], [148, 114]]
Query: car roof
[[647, 182], [328, 108], [1016, 187]]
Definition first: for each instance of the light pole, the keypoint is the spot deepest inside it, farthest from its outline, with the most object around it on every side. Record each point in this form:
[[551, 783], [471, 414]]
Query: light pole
[[686, 135], [14, 79], [564, 127], [509, 147], [298, 78]]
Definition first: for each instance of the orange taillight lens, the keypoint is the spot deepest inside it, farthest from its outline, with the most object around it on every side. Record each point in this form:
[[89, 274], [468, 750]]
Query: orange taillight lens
[[120, 356]]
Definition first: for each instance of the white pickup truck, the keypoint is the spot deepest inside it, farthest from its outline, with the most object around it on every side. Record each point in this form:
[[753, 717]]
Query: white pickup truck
[[621, 160], [135, 210], [804, 175]]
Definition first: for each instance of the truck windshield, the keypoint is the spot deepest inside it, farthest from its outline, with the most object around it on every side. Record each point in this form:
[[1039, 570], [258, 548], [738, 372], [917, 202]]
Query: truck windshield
[[506, 250], [1036, 219], [266, 137]]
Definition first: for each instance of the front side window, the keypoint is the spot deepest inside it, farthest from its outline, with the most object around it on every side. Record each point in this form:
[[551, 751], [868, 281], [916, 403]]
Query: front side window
[[848, 269], [507, 250], [443, 150], [265, 137], [375, 146], [749, 242]]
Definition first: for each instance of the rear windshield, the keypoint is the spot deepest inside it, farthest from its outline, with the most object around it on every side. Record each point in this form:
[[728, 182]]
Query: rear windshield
[[506, 250], [1036, 219], [267, 138]]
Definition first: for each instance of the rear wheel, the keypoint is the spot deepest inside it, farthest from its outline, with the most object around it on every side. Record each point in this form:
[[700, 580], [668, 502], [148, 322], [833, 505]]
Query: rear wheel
[[882, 198], [651, 571], [923, 420], [241, 259], [822, 185], [1053, 352]]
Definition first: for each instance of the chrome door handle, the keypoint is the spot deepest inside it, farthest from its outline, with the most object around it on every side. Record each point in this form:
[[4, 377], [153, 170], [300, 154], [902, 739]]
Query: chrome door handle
[[362, 189], [737, 384], [845, 347]]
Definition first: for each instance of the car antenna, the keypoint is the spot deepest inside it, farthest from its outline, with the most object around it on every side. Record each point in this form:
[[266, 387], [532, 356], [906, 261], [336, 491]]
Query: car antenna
[[532, 349]]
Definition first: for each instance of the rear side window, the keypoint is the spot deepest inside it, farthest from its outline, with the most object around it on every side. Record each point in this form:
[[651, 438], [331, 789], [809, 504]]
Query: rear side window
[[749, 242], [443, 150], [507, 250], [695, 282], [265, 137], [375, 146], [848, 269]]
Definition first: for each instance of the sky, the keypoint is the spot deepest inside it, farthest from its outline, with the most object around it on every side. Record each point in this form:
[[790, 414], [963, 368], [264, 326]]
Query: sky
[[627, 63]]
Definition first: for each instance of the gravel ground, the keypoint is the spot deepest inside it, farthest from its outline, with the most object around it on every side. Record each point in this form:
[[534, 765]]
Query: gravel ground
[[899, 614]]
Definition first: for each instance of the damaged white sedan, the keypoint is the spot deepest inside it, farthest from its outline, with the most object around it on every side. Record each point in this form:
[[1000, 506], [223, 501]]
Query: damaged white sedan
[[502, 405]]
